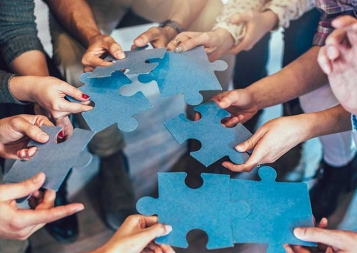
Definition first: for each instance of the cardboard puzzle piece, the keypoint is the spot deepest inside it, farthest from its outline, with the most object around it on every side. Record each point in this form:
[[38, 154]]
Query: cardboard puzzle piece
[[276, 209], [110, 106], [186, 73], [217, 140], [253, 211], [135, 61], [207, 208], [54, 159]]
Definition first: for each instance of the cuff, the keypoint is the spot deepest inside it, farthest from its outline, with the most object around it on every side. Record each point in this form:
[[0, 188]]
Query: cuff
[[280, 12], [237, 31], [5, 93]]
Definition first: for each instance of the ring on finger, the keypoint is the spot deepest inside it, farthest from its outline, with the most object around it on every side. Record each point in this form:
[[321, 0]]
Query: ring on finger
[[177, 41]]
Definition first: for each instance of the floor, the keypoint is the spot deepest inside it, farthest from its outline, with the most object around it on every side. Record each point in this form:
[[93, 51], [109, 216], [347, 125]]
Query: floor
[[151, 149]]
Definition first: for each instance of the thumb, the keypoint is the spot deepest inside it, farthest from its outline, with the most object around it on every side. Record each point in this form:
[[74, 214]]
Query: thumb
[[247, 145], [22, 189], [319, 235], [239, 18]]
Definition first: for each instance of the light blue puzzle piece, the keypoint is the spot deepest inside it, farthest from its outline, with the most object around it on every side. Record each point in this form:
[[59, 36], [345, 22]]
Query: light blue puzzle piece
[[217, 141], [276, 209], [135, 61], [186, 73], [207, 208], [54, 159], [110, 106]]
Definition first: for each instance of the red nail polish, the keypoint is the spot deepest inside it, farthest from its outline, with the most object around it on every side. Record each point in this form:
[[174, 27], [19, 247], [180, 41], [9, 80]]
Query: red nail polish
[[85, 96], [61, 134]]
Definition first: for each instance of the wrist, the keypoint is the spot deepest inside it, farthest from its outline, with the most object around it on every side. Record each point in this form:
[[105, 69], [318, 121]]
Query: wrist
[[171, 28], [271, 20], [21, 88], [226, 38]]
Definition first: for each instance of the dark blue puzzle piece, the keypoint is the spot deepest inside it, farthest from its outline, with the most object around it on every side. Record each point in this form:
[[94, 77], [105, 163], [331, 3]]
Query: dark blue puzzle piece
[[217, 141], [135, 62], [276, 209], [207, 208], [54, 159], [186, 73], [110, 106]]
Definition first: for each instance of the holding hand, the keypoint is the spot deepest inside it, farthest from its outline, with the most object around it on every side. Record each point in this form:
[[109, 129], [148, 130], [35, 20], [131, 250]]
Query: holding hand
[[137, 235], [21, 223], [158, 37]]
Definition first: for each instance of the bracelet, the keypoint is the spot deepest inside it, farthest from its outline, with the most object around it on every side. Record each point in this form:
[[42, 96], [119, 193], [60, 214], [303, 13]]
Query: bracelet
[[172, 24]]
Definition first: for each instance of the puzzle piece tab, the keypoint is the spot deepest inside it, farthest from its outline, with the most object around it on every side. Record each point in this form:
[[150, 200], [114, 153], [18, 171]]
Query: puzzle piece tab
[[54, 159], [135, 61], [207, 208], [254, 211], [186, 73], [276, 209], [110, 106], [217, 141]]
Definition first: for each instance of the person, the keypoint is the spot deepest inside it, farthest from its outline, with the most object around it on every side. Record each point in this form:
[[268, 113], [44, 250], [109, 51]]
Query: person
[[338, 167]]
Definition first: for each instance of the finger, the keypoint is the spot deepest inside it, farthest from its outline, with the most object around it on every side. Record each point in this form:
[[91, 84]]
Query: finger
[[181, 38], [337, 37], [249, 165], [323, 223], [22, 189], [40, 216], [328, 237], [250, 143], [67, 127], [146, 37], [115, 50], [26, 153], [343, 21], [48, 200], [202, 39], [21, 125], [323, 61], [90, 62], [67, 107], [73, 92]]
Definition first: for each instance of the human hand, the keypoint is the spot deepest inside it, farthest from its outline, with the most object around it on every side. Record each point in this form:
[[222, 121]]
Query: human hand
[[239, 103], [136, 235], [98, 46], [216, 42], [257, 24], [329, 241], [270, 142], [338, 60], [158, 37], [18, 223], [15, 133]]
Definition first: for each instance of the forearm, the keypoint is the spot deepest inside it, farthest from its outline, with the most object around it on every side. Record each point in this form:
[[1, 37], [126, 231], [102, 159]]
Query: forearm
[[30, 63], [330, 121], [76, 17], [298, 78]]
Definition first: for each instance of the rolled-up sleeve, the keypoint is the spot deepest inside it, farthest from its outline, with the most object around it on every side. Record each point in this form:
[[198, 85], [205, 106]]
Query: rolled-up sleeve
[[18, 31]]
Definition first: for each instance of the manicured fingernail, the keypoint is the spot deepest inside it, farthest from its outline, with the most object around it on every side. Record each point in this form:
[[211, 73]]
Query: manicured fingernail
[[61, 134], [168, 229], [85, 96], [179, 49]]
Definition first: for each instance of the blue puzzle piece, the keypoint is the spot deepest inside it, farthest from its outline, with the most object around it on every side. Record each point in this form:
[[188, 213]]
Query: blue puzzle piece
[[110, 106], [217, 141], [207, 208], [54, 159], [276, 209], [135, 62], [186, 73]]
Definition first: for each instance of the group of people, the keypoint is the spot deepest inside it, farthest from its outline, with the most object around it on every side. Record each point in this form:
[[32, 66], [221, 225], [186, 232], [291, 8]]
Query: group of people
[[319, 68]]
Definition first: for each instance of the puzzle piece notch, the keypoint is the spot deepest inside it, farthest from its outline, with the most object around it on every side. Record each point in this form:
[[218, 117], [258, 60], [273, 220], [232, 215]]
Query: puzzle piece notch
[[110, 106], [216, 140], [174, 207], [277, 208], [135, 61], [52, 158], [185, 73]]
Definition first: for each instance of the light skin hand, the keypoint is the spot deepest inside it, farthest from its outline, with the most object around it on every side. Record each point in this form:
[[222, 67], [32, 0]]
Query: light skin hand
[[137, 235], [216, 42], [257, 24], [15, 133], [158, 37], [98, 46], [18, 223], [338, 60]]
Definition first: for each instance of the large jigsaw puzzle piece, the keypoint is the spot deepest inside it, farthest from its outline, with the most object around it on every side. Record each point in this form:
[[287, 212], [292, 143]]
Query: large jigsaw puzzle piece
[[207, 208], [186, 73], [276, 209], [135, 61], [216, 140], [110, 106], [54, 159]]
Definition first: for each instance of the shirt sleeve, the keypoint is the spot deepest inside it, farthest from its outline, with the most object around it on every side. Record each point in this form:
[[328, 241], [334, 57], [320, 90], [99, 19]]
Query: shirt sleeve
[[234, 7], [5, 94], [18, 31], [288, 10]]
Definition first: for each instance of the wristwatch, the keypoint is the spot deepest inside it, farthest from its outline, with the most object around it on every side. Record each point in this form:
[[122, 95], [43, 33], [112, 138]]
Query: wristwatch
[[172, 24]]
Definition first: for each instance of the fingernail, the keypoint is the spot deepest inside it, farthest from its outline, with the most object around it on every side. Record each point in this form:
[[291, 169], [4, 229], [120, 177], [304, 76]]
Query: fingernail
[[120, 55], [224, 165], [138, 41], [43, 136], [61, 134], [239, 148], [85, 96], [298, 232], [179, 49], [36, 179], [78, 208], [168, 229]]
